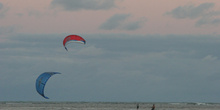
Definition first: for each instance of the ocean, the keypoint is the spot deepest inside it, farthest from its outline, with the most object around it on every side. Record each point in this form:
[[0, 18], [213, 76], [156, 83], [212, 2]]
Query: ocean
[[105, 106]]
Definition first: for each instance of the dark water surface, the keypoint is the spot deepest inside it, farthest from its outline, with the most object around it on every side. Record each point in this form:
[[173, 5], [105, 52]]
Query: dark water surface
[[105, 106]]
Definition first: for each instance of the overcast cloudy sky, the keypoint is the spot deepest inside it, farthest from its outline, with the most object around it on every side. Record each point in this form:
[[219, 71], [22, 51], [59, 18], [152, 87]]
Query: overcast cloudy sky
[[136, 51]]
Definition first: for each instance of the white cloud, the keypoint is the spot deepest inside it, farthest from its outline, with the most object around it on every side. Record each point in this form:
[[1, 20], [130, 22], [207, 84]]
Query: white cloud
[[210, 58], [90, 51]]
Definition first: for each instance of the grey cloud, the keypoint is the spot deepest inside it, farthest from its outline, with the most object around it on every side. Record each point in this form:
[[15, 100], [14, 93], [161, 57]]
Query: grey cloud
[[190, 11], [207, 21], [73, 5], [120, 21], [35, 13], [6, 30], [114, 22], [215, 21], [134, 25], [1, 6], [3, 10], [203, 13]]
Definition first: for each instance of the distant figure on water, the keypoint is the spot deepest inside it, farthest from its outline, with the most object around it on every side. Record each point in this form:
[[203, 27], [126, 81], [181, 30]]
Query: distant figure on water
[[153, 107], [137, 106]]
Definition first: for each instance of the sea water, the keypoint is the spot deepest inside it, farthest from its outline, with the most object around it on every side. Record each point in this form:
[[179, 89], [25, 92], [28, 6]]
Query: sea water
[[105, 106]]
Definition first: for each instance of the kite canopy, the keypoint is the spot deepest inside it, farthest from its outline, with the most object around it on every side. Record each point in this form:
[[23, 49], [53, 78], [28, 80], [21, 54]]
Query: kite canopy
[[42, 80], [73, 39]]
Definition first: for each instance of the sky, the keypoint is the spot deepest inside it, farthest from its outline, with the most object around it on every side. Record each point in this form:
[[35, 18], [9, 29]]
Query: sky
[[136, 50]]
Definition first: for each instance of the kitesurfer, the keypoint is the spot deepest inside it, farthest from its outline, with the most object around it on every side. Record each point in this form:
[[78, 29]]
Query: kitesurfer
[[137, 106], [153, 107]]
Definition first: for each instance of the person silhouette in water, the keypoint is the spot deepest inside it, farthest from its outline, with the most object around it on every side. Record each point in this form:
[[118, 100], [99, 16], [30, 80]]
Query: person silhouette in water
[[153, 107], [137, 106]]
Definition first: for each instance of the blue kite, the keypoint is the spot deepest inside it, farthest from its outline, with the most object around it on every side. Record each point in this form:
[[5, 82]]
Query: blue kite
[[42, 80]]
